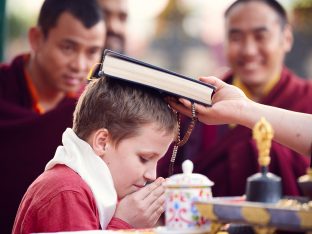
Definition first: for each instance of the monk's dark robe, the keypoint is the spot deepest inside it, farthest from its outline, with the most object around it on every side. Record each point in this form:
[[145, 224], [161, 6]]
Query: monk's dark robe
[[28, 140], [228, 156]]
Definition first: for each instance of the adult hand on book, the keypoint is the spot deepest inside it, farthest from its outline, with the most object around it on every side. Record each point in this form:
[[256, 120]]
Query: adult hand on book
[[143, 208], [231, 106], [227, 101]]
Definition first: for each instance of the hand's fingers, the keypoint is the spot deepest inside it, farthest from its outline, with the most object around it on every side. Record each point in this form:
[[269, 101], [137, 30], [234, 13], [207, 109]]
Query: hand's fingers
[[158, 203], [198, 107], [155, 197], [188, 104], [144, 192], [213, 81], [180, 108], [154, 211], [156, 215], [186, 110]]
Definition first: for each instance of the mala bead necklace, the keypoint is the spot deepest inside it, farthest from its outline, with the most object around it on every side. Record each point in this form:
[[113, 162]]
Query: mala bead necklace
[[180, 142]]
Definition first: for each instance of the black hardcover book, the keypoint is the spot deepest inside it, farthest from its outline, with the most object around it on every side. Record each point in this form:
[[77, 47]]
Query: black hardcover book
[[123, 67]]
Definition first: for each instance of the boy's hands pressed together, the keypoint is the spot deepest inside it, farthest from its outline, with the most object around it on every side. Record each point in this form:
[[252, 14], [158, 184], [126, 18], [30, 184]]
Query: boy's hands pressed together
[[143, 208]]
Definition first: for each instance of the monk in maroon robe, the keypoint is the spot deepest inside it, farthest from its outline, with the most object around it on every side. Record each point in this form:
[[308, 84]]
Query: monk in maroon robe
[[28, 140], [257, 38], [228, 155]]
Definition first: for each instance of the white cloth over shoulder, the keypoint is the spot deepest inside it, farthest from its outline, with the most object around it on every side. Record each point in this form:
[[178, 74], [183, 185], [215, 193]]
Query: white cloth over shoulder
[[80, 157]]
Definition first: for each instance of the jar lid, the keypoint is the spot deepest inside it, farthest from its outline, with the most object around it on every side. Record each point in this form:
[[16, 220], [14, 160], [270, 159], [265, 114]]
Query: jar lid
[[187, 178]]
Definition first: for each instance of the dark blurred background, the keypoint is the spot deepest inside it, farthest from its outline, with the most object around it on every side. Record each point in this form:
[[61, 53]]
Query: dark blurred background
[[183, 35]]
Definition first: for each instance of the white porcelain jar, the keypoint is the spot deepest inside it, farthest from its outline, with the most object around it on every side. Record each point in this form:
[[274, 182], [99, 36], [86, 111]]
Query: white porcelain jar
[[182, 190]]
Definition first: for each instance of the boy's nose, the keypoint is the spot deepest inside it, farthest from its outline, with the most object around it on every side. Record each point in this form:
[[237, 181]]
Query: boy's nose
[[150, 174]]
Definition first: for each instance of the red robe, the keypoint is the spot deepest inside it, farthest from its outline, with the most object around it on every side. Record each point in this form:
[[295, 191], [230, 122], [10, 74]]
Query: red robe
[[28, 140], [228, 156], [60, 200]]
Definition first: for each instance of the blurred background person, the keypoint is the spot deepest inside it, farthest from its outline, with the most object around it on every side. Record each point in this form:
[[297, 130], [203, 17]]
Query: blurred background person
[[183, 35], [258, 36], [116, 15], [38, 93]]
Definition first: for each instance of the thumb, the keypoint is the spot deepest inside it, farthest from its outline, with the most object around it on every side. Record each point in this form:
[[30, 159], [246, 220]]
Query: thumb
[[212, 80]]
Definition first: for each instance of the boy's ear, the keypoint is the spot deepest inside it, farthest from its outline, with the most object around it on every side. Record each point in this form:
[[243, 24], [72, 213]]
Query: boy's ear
[[99, 141]]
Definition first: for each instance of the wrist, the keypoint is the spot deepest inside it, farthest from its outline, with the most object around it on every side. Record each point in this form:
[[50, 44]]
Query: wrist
[[118, 223], [247, 114]]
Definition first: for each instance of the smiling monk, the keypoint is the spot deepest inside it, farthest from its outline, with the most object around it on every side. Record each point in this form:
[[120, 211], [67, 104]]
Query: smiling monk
[[258, 37]]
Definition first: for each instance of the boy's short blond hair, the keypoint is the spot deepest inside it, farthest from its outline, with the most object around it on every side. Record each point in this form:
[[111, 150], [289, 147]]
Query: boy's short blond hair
[[122, 108]]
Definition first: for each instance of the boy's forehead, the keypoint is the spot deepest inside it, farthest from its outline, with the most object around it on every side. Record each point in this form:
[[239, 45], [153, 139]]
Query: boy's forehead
[[150, 140], [154, 130]]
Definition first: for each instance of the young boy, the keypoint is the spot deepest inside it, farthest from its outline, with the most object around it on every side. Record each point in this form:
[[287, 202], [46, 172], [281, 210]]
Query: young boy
[[104, 175], [38, 92]]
